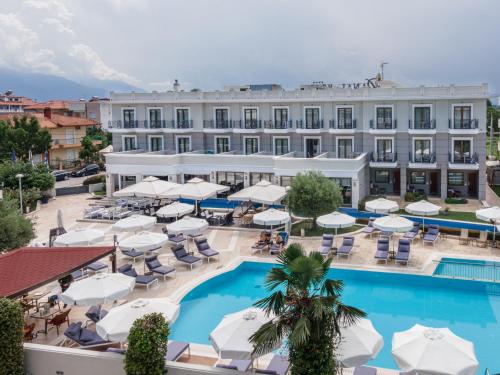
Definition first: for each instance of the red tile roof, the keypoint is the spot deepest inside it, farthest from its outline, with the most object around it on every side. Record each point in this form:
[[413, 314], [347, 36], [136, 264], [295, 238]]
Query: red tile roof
[[52, 104], [28, 268], [54, 121]]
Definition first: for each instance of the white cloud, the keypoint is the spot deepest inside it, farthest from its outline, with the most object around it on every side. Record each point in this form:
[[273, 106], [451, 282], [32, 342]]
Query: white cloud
[[58, 25], [57, 8], [91, 63]]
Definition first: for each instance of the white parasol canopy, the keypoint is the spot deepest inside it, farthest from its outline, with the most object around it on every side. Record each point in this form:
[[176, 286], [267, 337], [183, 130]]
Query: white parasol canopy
[[271, 217], [79, 237], [115, 326], [230, 338], [187, 226], [262, 192], [489, 214], [423, 208], [360, 343], [432, 351], [381, 206], [336, 220], [196, 189], [98, 289], [134, 223], [175, 209], [144, 241], [151, 187], [393, 223]]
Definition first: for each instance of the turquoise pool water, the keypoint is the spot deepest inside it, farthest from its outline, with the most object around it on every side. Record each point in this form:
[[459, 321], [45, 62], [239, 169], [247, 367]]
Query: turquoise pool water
[[394, 302], [469, 269]]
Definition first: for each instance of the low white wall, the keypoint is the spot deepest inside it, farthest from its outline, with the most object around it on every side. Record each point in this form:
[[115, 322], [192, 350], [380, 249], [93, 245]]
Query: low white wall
[[96, 187]]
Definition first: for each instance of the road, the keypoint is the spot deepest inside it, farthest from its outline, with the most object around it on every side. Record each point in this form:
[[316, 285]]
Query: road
[[73, 181]]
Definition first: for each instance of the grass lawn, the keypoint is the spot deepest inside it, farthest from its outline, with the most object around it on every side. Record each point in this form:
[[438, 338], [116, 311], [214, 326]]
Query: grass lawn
[[306, 224], [496, 189], [452, 215]]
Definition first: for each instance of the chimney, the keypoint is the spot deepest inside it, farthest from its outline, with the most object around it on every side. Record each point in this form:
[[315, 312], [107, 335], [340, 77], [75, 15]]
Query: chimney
[[177, 85], [47, 112]]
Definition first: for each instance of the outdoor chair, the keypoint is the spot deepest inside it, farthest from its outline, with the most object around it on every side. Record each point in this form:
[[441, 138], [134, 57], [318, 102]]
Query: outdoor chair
[[279, 365], [346, 247], [276, 247], [236, 364], [412, 233], [403, 254], [96, 267], [326, 244], [79, 274], [382, 249], [95, 314], [141, 280], [176, 349], [464, 236], [59, 319], [370, 229], [83, 336], [364, 370], [263, 242], [183, 256], [29, 331], [204, 248], [133, 254], [432, 234], [154, 265], [175, 238], [483, 239]]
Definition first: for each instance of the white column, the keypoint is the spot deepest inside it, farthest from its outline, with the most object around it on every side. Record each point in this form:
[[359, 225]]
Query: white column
[[110, 185], [119, 182], [138, 178], [172, 177], [246, 179], [213, 177], [355, 192]]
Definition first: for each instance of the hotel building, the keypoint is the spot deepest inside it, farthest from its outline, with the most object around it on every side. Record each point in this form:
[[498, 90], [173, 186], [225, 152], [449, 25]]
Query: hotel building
[[386, 139]]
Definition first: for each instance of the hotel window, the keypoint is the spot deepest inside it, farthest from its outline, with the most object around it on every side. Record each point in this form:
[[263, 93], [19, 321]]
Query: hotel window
[[129, 143], [281, 146], [183, 144], [462, 151], [384, 118], [70, 155], [251, 146], [155, 118], [312, 118], [462, 116], [344, 118], [286, 180], [422, 150], [384, 150], [250, 115], [344, 146], [456, 179], [128, 118], [182, 117], [257, 177], [281, 118], [418, 177], [381, 177], [221, 118], [422, 116], [155, 144], [221, 144]]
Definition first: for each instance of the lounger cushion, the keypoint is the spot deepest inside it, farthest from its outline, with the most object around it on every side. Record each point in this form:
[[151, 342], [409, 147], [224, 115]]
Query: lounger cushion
[[125, 268], [229, 367], [364, 370], [326, 243], [203, 246], [144, 279], [327, 237], [131, 272], [190, 259], [96, 266], [348, 242], [403, 256], [209, 252], [153, 264], [73, 330], [430, 237], [86, 335], [181, 253], [175, 350], [381, 254], [369, 229], [265, 371], [344, 249], [164, 270]]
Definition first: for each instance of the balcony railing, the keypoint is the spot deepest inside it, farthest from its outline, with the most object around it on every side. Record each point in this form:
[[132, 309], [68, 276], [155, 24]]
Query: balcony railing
[[186, 124], [383, 157], [422, 125], [463, 158], [119, 124], [155, 124], [67, 141], [301, 124], [248, 124], [382, 124], [423, 158], [278, 124], [463, 124], [345, 125], [218, 124]]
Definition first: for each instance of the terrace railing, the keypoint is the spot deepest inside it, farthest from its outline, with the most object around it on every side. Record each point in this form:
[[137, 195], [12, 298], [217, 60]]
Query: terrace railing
[[422, 125], [466, 124], [383, 124], [218, 124], [423, 158], [278, 124], [343, 125], [388, 157], [302, 124], [462, 159]]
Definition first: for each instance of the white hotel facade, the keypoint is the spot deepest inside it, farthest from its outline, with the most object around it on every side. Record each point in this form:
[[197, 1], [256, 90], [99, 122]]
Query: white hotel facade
[[371, 140]]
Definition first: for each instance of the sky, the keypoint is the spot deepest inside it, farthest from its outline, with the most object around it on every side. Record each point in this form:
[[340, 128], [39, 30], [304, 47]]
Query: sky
[[211, 43]]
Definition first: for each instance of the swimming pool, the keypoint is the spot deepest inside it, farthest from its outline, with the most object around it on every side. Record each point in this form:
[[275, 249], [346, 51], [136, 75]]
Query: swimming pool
[[394, 302], [468, 269]]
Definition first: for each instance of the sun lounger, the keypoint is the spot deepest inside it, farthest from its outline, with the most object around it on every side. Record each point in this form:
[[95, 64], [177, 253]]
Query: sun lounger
[[79, 274], [96, 267], [175, 238], [403, 254], [413, 233], [116, 350], [183, 256], [370, 229], [278, 366], [176, 349], [140, 280], [236, 364], [204, 248], [382, 249], [95, 313], [260, 247], [346, 248], [364, 370], [432, 234], [133, 253], [83, 336], [326, 244], [276, 248], [154, 265]]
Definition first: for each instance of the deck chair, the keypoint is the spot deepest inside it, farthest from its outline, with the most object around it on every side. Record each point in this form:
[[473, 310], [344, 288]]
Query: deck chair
[[370, 229], [432, 234], [176, 349], [204, 248], [346, 248], [403, 254], [364, 370], [326, 244], [382, 249], [154, 266], [412, 233], [279, 365], [236, 364]]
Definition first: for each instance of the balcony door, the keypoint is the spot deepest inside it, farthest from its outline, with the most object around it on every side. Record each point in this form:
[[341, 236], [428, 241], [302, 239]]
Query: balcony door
[[384, 118], [221, 144], [384, 150], [344, 148], [422, 116], [250, 119], [344, 118], [422, 150], [280, 118], [128, 118], [182, 117], [312, 118], [462, 151], [312, 147], [221, 118], [251, 146], [462, 116]]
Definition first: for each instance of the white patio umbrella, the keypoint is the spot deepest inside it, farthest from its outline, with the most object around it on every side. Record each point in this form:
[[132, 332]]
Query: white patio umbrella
[[175, 209], [359, 344], [115, 326], [188, 226], [381, 206], [423, 208], [262, 192], [98, 289], [144, 241], [79, 237], [393, 223], [271, 217], [491, 215], [433, 351], [151, 187], [230, 338], [196, 189], [336, 220], [134, 223]]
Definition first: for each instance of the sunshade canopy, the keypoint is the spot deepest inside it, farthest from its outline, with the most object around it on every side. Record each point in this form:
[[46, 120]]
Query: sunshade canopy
[[336, 220], [423, 208], [196, 189], [393, 223], [175, 209], [80, 237], [271, 217], [144, 241], [134, 223], [382, 206], [488, 214], [262, 192], [188, 226], [151, 187]]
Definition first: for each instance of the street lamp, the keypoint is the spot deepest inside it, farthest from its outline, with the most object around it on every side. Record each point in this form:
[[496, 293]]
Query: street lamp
[[20, 176]]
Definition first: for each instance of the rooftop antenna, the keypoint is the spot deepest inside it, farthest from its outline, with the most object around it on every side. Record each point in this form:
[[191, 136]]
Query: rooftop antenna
[[382, 64]]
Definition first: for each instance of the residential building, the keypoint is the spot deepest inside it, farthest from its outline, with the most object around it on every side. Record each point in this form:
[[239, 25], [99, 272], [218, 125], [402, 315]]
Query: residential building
[[99, 110], [386, 139], [74, 108], [10, 103]]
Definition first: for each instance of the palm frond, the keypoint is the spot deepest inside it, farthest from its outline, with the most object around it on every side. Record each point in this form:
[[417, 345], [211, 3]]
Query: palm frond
[[305, 271], [300, 332], [275, 277], [273, 303], [332, 287], [348, 315], [292, 252], [267, 337]]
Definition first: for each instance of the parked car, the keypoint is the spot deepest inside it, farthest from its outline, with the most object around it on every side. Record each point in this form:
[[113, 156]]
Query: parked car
[[86, 171], [60, 175]]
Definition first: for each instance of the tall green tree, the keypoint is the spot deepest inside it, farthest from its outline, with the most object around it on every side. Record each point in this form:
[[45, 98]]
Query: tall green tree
[[89, 152], [11, 337], [312, 194], [308, 311], [15, 229], [35, 176]]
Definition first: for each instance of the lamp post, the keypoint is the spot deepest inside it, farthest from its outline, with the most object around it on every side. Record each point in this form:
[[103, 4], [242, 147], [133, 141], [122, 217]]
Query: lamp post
[[20, 176]]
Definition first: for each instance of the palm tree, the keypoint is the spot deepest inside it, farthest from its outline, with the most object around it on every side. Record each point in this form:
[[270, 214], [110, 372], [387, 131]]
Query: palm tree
[[308, 311]]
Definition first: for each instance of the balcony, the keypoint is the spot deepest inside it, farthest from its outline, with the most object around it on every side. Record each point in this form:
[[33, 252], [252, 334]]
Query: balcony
[[218, 124], [119, 124], [156, 124], [348, 126], [313, 125], [463, 161], [185, 124], [422, 125], [248, 124], [278, 125], [383, 160], [470, 126], [422, 161], [382, 124], [67, 142]]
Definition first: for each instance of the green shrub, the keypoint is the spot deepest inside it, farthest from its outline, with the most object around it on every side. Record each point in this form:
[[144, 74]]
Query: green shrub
[[455, 200], [95, 180], [414, 196], [15, 229], [11, 337], [147, 346]]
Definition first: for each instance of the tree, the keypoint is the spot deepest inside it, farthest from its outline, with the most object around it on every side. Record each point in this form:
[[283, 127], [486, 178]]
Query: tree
[[11, 337], [312, 194], [308, 310], [89, 152], [35, 176], [147, 346], [15, 229]]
